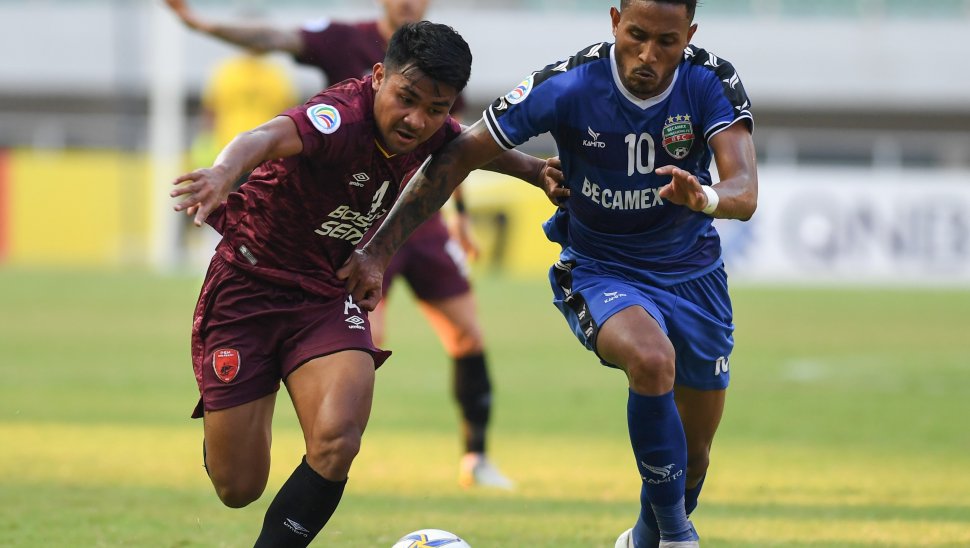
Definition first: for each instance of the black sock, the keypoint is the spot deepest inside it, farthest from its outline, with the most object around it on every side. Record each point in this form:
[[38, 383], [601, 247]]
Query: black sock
[[300, 510], [473, 390]]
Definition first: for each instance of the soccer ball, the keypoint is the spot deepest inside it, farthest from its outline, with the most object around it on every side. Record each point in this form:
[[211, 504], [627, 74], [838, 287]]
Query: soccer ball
[[431, 538]]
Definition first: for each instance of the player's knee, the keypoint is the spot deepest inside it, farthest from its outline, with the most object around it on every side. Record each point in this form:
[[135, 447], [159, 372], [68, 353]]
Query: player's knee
[[240, 492], [332, 453], [651, 370], [465, 341]]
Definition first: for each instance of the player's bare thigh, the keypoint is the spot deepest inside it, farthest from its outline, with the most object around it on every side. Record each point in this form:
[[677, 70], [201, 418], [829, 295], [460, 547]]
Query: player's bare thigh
[[332, 396], [455, 321], [237, 443], [633, 340]]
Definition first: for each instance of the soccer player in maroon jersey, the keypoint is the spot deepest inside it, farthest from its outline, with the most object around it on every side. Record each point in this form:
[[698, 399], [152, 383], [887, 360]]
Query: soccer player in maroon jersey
[[431, 262], [272, 308]]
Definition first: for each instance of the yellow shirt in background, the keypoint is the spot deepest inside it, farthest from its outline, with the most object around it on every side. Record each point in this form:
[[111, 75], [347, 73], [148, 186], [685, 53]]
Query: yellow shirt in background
[[243, 93]]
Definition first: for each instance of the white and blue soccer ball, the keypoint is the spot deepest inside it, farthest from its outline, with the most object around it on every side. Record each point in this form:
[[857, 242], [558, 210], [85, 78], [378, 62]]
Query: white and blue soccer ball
[[431, 538]]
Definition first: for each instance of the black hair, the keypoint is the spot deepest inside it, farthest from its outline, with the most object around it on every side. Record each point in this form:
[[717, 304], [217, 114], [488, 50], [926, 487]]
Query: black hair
[[436, 50], [691, 5]]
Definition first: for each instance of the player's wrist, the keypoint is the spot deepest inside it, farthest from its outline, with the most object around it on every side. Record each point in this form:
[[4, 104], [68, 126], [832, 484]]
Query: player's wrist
[[712, 200]]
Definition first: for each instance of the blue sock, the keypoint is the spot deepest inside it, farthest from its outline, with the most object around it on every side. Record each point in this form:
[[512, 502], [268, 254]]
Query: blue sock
[[691, 494], [660, 448]]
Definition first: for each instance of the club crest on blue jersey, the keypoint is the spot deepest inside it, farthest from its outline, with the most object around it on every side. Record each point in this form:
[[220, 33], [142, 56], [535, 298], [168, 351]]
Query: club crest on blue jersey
[[324, 117], [678, 136], [520, 92]]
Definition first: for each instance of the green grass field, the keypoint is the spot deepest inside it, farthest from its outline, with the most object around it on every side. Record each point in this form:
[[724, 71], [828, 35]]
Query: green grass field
[[846, 425]]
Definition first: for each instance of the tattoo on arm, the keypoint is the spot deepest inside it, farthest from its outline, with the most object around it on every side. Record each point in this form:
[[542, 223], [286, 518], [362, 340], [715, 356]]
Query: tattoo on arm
[[424, 195]]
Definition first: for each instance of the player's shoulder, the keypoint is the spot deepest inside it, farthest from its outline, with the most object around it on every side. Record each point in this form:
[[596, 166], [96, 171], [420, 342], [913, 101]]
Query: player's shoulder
[[704, 62], [575, 64], [342, 110]]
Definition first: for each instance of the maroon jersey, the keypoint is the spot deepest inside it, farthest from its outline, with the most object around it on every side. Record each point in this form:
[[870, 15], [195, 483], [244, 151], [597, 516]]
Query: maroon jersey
[[346, 50], [297, 219]]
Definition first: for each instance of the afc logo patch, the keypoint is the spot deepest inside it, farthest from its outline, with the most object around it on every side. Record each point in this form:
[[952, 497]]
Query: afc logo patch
[[226, 362]]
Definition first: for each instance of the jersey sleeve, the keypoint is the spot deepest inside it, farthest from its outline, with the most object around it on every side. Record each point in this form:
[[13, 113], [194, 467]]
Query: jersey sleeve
[[532, 107], [724, 100]]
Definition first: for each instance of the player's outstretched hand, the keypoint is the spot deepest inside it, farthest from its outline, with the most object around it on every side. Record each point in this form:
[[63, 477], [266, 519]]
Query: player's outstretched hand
[[364, 275], [202, 191], [182, 10], [684, 189], [552, 181]]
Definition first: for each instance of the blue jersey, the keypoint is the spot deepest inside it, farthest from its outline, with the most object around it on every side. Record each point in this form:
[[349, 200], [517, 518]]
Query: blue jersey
[[610, 142]]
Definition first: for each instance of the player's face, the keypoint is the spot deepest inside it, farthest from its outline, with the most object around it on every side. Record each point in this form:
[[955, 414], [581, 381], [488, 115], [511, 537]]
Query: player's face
[[399, 12], [650, 41], [409, 107]]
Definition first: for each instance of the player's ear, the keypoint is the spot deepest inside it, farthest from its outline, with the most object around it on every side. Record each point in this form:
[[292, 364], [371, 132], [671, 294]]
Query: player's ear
[[378, 76], [615, 16], [690, 32]]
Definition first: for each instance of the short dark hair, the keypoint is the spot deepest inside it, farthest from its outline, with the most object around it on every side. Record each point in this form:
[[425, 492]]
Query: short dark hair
[[691, 5], [436, 50]]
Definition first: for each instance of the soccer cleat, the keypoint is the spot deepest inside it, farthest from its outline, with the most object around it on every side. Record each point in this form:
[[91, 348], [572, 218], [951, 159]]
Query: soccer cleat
[[694, 541], [625, 540], [476, 469]]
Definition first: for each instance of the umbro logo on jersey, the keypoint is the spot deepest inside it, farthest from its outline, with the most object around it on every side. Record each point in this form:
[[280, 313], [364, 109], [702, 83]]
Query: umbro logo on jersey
[[359, 179], [595, 143], [355, 322]]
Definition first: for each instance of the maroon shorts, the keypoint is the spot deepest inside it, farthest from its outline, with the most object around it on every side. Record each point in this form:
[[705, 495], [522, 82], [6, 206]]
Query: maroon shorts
[[433, 264], [248, 334]]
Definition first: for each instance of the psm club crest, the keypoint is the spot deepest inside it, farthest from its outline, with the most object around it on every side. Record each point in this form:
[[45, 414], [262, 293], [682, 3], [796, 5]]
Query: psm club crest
[[226, 362]]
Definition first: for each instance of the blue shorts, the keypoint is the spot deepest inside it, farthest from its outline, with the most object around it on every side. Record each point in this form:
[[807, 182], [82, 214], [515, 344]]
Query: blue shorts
[[696, 316]]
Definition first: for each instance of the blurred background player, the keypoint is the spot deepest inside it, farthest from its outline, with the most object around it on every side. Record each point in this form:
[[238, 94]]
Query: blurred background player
[[431, 261]]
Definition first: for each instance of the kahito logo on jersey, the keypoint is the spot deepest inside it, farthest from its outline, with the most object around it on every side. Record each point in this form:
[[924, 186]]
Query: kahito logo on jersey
[[678, 136], [595, 143], [324, 117]]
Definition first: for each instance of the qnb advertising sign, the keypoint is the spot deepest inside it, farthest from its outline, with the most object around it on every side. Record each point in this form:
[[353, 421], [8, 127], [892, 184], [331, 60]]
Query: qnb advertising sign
[[854, 227]]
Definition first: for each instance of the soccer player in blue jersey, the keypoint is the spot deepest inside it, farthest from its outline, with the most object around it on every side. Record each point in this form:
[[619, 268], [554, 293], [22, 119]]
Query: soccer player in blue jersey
[[640, 278]]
